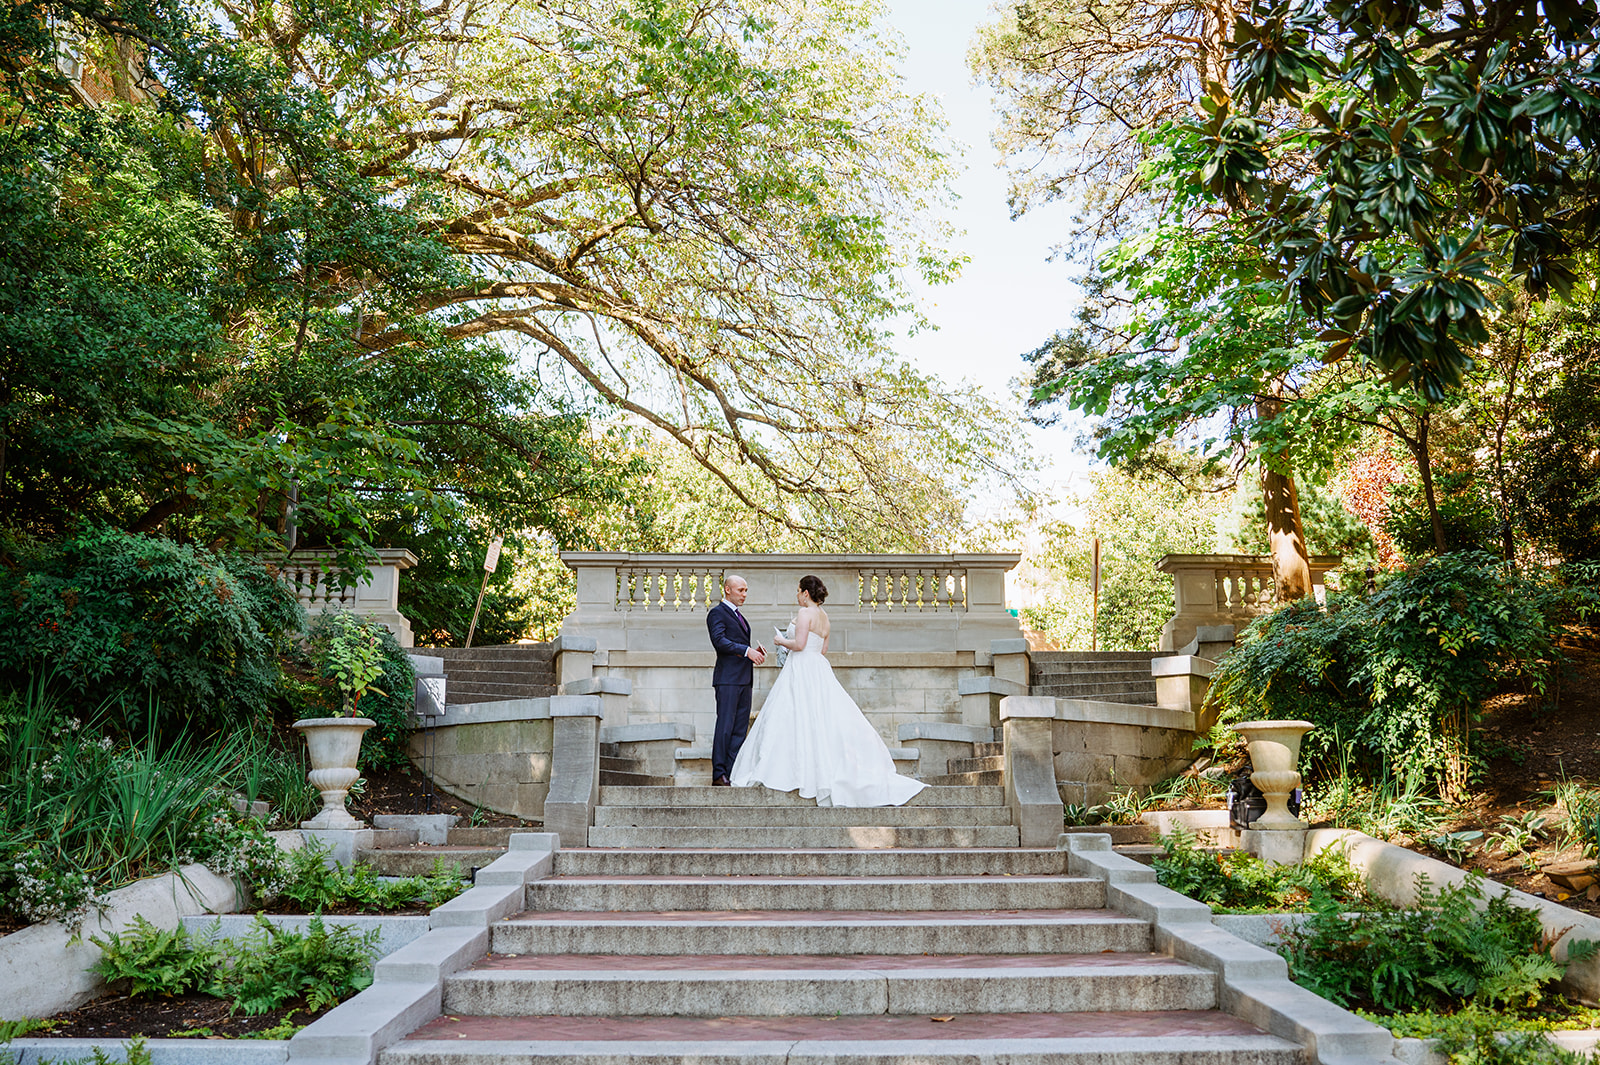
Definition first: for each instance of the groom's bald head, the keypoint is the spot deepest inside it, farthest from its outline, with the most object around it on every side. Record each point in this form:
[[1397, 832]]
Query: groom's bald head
[[734, 589]]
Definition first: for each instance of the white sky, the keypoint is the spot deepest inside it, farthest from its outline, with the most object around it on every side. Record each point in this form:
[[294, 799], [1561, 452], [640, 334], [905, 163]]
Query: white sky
[[1010, 297]]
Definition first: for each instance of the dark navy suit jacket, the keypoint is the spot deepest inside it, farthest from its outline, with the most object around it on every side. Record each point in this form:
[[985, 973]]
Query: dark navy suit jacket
[[732, 640]]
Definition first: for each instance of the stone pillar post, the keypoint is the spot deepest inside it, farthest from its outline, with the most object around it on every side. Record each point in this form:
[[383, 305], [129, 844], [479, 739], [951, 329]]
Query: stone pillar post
[[1030, 774], [574, 660], [574, 768], [1182, 682], [1011, 662]]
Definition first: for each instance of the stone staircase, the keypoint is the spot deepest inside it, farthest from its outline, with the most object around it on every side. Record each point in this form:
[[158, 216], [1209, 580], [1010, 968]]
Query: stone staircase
[[986, 767], [491, 674], [1106, 676], [781, 957], [619, 769], [756, 817], [400, 852]]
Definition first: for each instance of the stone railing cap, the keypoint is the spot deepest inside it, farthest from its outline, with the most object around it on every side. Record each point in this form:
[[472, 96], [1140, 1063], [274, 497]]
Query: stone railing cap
[[1181, 666], [1169, 563], [601, 558], [1027, 706], [1018, 646], [574, 644], [575, 706]]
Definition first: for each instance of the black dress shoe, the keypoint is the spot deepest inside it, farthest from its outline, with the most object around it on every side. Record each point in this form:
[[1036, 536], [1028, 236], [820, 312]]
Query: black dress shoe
[[722, 782]]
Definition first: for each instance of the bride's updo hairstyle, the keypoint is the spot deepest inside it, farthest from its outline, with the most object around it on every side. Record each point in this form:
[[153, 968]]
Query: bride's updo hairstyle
[[814, 587]]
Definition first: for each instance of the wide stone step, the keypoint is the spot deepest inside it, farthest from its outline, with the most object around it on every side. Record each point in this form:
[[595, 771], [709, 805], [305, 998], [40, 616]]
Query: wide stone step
[[801, 816], [988, 763], [1044, 659], [988, 750], [418, 860], [526, 689], [1108, 665], [987, 777], [1132, 698], [654, 894], [709, 796], [966, 861], [512, 652], [838, 932], [1131, 675], [802, 985], [615, 778], [870, 836], [482, 836], [1169, 1037], [499, 675], [620, 763]]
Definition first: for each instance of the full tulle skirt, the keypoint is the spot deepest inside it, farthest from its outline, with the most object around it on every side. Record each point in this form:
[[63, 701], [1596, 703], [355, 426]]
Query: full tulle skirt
[[811, 737]]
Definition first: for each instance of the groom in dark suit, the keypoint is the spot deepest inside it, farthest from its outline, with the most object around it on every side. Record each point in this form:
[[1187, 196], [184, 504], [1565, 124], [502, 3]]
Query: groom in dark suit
[[733, 677]]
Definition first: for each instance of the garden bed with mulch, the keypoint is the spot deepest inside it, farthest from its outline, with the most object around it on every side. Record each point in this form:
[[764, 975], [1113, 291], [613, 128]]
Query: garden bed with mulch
[[182, 1016]]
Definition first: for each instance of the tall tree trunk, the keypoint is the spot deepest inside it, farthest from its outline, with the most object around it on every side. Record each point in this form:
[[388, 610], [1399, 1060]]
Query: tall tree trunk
[[1286, 534], [1425, 472], [1291, 564]]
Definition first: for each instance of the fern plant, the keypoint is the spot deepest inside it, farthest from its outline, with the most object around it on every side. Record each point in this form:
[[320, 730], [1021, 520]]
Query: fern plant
[[321, 966], [1453, 948], [156, 961]]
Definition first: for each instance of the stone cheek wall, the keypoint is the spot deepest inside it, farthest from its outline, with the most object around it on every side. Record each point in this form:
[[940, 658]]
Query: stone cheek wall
[[1101, 746], [501, 765], [891, 689]]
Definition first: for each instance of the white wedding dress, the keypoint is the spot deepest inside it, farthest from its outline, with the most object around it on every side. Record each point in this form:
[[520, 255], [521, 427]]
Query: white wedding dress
[[811, 737]]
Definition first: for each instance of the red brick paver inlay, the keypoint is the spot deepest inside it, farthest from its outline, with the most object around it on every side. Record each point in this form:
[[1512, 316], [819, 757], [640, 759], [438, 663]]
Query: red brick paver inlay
[[817, 962], [1127, 1025]]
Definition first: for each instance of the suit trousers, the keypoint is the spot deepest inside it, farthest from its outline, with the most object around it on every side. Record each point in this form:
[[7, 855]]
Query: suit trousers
[[733, 721]]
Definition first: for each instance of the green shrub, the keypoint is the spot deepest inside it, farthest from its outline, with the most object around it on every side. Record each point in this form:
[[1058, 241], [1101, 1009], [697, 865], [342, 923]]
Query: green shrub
[[274, 966], [1396, 677], [315, 885], [1236, 880], [341, 645], [110, 613], [1477, 1037], [1445, 952], [156, 961]]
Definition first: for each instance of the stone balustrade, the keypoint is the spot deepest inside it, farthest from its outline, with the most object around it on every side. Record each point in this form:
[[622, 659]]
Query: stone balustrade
[[1223, 590], [315, 577], [906, 629]]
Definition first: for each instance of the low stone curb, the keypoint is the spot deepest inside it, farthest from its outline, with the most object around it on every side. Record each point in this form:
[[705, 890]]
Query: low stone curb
[[1252, 982], [162, 1051], [408, 985], [44, 968]]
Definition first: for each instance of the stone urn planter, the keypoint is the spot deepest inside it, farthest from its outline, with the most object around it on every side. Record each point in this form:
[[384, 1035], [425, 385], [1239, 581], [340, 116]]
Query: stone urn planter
[[333, 744], [1274, 762]]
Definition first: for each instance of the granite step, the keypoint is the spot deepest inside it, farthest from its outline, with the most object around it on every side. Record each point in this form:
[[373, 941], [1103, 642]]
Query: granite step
[[1122, 1037], [986, 777], [518, 652], [527, 688], [486, 836], [1132, 698], [773, 932], [498, 675], [616, 778], [801, 816], [590, 985], [846, 836], [1110, 665], [655, 894], [702, 795], [985, 764], [988, 750], [1132, 676], [620, 763], [1040, 659], [965, 861], [418, 859]]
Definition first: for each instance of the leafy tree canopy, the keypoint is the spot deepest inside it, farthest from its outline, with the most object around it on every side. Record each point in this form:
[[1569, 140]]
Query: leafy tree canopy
[[1400, 161], [698, 214]]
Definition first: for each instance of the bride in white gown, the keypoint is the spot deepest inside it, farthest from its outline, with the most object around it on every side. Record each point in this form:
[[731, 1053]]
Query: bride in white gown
[[810, 736]]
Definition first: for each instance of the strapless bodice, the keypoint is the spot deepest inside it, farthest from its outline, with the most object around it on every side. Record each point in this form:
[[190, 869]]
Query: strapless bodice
[[813, 644]]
